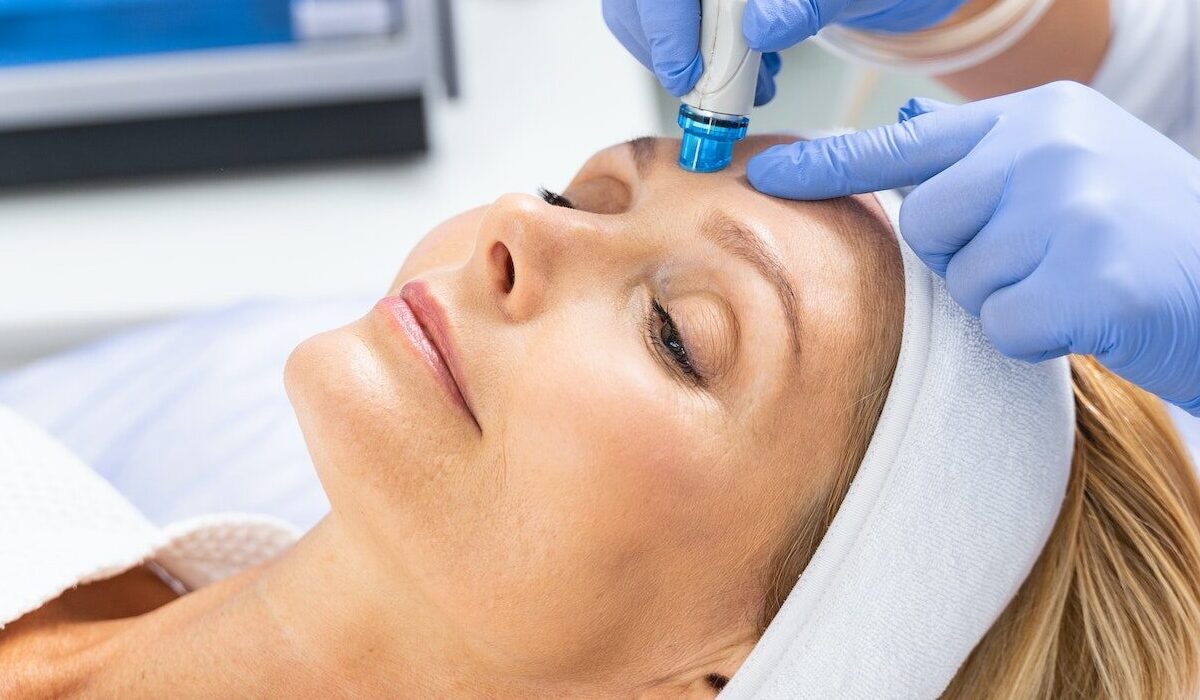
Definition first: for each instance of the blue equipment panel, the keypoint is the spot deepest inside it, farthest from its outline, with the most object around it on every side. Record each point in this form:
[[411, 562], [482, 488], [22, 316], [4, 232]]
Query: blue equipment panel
[[42, 31]]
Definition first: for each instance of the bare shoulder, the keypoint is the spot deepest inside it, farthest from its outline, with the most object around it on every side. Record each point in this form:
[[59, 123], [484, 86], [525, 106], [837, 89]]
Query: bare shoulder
[[46, 653]]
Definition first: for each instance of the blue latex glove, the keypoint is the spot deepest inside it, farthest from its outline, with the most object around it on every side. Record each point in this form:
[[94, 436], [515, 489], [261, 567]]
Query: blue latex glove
[[1063, 222], [664, 35], [774, 25]]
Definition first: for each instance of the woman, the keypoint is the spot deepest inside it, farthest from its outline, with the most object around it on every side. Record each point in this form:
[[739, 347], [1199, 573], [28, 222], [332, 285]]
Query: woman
[[643, 410]]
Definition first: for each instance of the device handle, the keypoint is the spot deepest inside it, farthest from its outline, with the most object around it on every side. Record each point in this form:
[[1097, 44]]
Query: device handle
[[730, 67]]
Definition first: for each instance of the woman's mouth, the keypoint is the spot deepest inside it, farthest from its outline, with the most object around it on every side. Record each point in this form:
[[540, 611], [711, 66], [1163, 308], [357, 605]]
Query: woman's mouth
[[421, 319]]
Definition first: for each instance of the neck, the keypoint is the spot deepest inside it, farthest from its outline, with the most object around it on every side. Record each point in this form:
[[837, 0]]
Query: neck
[[319, 621]]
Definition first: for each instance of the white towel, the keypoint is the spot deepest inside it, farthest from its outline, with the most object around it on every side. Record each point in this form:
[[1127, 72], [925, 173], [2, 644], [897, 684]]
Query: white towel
[[955, 498], [61, 525]]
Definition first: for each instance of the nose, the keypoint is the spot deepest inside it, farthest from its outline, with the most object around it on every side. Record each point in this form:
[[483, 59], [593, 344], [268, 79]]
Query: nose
[[524, 247]]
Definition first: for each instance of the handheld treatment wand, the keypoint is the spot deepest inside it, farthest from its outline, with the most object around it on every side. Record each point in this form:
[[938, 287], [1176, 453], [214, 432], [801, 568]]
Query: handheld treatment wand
[[713, 115]]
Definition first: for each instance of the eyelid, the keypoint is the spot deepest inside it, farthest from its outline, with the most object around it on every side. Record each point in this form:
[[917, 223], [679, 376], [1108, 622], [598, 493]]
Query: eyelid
[[652, 324], [708, 327], [600, 194]]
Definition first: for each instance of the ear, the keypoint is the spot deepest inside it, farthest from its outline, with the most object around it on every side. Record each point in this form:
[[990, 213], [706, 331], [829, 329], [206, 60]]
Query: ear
[[707, 681], [696, 689]]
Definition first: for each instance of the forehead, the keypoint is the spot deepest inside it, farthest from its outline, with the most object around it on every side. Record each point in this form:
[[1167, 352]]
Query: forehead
[[811, 236]]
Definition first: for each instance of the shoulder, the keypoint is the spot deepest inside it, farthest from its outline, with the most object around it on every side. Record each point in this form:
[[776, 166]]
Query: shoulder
[[48, 652]]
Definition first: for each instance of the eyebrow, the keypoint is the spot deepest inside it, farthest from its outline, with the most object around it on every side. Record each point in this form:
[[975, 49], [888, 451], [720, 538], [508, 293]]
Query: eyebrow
[[642, 150], [735, 239]]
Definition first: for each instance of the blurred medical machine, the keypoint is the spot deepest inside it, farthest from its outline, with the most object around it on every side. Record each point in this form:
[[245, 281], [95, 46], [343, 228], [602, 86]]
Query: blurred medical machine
[[116, 88]]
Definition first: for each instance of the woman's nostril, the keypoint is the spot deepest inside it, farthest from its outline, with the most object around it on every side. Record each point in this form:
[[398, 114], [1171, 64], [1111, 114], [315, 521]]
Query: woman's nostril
[[504, 261]]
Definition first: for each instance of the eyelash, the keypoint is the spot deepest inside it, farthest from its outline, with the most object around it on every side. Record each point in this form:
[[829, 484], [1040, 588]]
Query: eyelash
[[662, 331], [660, 327], [554, 199]]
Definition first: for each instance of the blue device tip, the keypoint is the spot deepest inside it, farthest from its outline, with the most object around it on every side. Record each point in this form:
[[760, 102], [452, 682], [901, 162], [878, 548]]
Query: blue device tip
[[708, 138]]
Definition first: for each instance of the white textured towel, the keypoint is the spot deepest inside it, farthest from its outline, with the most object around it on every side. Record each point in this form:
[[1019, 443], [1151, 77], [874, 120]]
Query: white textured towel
[[954, 500], [61, 525]]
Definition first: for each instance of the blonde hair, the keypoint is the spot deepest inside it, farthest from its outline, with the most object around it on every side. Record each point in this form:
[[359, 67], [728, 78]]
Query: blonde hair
[[1111, 609], [1112, 606]]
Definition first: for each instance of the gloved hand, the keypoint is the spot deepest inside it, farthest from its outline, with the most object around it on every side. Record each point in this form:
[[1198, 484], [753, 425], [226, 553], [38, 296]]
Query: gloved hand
[[774, 25], [1063, 222], [664, 35]]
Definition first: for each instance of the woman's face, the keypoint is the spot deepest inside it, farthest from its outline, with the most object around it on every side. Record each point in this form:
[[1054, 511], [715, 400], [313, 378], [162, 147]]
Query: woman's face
[[655, 380]]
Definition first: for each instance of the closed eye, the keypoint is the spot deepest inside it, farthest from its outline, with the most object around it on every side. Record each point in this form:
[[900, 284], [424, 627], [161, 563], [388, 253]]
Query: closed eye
[[665, 336], [554, 198]]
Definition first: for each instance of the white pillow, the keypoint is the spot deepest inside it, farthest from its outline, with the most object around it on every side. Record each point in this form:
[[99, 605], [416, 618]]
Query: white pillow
[[189, 416]]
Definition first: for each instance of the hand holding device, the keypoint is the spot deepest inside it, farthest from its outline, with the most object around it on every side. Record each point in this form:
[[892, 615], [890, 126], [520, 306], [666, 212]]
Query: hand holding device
[[1066, 224]]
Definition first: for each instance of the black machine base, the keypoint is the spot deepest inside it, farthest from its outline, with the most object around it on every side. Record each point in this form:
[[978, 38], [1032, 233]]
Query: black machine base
[[213, 142]]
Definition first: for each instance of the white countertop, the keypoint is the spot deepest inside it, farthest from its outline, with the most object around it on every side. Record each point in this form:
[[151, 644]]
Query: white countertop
[[74, 261]]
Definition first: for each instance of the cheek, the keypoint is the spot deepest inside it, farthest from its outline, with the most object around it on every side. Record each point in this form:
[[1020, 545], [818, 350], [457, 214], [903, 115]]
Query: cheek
[[602, 482], [605, 445]]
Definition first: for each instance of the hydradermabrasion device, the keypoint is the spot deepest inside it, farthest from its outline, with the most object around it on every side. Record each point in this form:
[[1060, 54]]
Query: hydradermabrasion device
[[713, 115]]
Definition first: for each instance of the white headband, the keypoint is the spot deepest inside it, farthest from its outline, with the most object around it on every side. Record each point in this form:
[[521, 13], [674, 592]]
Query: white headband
[[955, 498]]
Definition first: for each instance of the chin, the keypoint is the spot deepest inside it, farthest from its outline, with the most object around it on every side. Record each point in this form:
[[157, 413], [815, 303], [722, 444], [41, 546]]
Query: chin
[[367, 419]]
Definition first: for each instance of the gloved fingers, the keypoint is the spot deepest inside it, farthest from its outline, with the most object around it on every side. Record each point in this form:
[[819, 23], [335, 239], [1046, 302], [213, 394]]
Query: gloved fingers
[[764, 90], [1025, 320], [901, 16], [621, 17], [895, 155], [916, 106], [774, 25], [944, 213], [672, 31], [1192, 406], [1005, 251], [771, 63]]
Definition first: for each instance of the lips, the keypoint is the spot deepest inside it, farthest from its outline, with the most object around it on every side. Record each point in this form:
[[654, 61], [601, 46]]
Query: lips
[[423, 321]]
